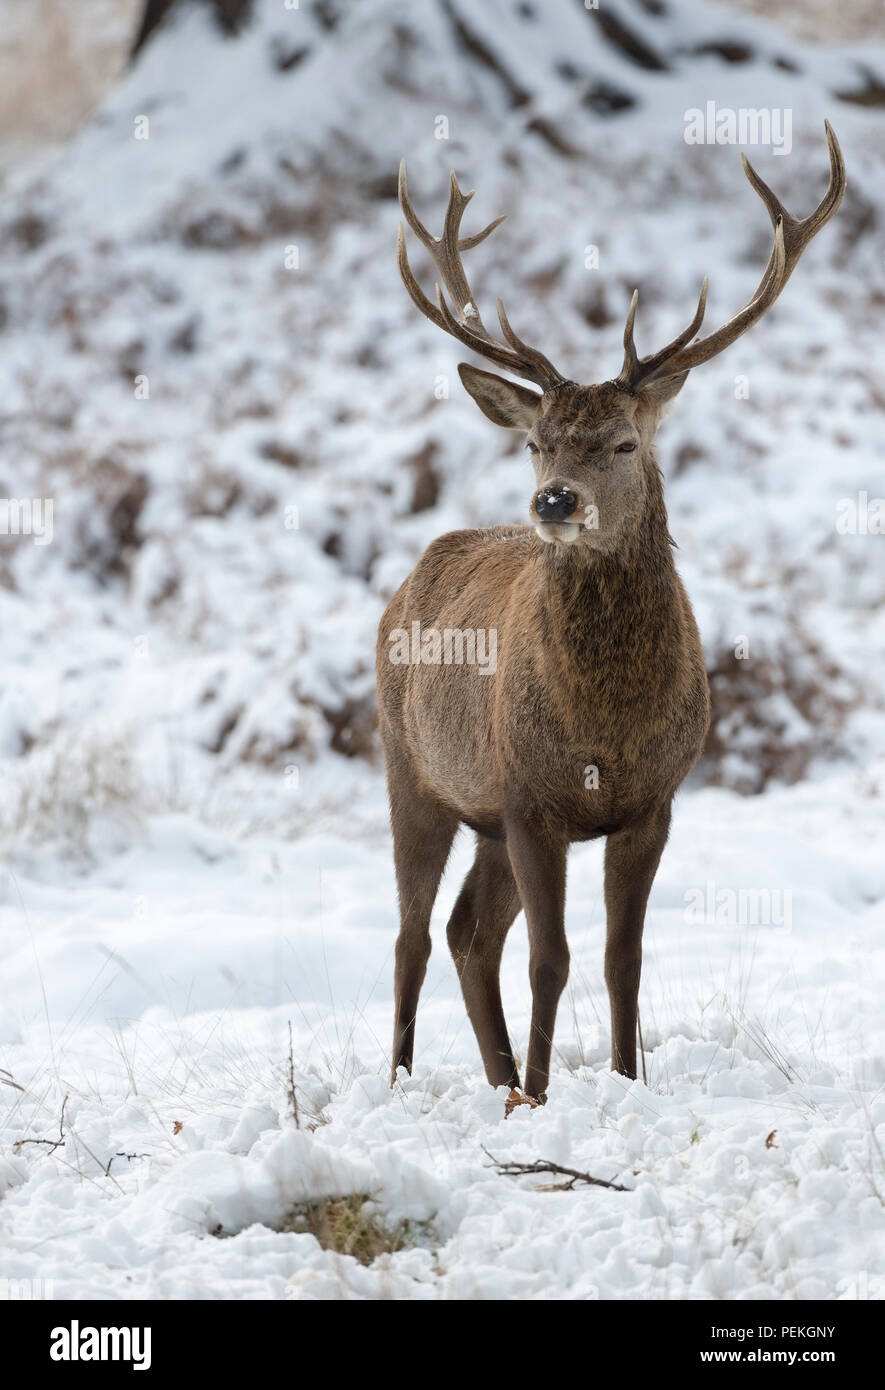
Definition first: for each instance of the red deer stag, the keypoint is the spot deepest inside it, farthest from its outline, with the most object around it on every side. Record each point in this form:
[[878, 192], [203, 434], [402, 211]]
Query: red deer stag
[[598, 706]]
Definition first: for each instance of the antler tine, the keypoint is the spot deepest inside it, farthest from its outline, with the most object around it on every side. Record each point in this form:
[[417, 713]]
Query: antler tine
[[546, 370], [528, 363], [798, 232], [416, 294], [825, 208], [444, 250], [791, 236], [409, 212], [467, 243], [636, 368], [631, 358], [446, 254], [466, 323]]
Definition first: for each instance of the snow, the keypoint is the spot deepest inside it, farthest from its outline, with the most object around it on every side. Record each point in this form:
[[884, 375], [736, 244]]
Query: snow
[[172, 973], [196, 857]]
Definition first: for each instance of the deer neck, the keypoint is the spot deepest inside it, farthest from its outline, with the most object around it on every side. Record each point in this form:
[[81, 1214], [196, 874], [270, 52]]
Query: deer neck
[[607, 616]]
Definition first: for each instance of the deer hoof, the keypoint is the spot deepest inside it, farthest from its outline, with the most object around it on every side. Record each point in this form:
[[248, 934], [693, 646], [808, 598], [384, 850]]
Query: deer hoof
[[517, 1098]]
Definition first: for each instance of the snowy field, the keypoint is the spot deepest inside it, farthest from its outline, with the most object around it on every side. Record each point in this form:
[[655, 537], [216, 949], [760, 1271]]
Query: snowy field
[[246, 455], [156, 994]]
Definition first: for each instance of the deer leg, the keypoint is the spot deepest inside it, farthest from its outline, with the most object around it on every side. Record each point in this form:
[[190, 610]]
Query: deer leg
[[478, 927], [423, 831], [631, 861], [538, 862]]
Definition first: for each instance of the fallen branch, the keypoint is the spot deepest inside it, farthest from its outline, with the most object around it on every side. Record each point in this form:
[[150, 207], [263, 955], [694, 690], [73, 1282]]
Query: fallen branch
[[510, 1169]]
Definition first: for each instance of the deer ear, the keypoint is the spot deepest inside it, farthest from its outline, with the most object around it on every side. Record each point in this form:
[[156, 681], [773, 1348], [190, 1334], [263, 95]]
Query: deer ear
[[504, 402], [662, 390]]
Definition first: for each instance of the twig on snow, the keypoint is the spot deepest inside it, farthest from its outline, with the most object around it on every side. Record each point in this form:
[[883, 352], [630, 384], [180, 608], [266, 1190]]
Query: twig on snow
[[52, 1143], [128, 1157], [510, 1169]]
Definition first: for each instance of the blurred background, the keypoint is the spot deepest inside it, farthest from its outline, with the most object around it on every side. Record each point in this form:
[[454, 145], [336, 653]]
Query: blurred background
[[210, 365]]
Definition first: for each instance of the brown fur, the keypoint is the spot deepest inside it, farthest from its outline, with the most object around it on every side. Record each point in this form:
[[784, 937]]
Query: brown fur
[[598, 665]]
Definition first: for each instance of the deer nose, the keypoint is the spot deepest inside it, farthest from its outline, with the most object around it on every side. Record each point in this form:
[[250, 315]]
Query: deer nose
[[554, 503]]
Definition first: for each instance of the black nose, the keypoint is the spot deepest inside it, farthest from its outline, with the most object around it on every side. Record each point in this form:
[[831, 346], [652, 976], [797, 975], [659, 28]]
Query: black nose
[[555, 503]]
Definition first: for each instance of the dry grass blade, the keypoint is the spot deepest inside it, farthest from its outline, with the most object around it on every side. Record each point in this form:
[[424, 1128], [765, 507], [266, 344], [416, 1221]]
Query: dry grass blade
[[293, 1098]]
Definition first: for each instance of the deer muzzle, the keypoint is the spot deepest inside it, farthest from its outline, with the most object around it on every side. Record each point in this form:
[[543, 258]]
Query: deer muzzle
[[554, 503], [552, 508]]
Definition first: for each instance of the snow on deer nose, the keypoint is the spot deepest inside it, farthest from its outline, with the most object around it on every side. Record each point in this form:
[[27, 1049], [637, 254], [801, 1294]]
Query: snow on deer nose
[[554, 503]]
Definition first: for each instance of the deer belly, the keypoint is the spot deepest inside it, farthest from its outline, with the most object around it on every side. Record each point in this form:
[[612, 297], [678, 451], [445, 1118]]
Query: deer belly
[[449, 726]]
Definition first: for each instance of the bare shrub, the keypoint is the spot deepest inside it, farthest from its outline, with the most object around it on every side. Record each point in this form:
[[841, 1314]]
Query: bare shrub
[[772, 714], [104, 511], [57, 791]]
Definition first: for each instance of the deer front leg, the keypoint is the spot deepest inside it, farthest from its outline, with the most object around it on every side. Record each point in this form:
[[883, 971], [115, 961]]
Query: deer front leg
[[422, 837], [538, 861], [631, 860]]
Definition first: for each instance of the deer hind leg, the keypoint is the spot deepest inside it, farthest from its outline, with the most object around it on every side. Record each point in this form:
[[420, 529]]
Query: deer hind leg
[[423, 831], [538, 862], [481, 918], [631, 860]]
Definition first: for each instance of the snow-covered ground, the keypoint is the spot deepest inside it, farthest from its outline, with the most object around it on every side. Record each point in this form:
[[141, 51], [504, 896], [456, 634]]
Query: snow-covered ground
[[156, 994], [246, 453]]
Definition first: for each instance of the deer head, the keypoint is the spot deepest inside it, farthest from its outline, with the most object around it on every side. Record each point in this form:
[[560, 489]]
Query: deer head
[[591, 446]]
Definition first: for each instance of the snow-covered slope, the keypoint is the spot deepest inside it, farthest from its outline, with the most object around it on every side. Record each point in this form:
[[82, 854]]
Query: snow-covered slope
[[245, 522], [209, 364]]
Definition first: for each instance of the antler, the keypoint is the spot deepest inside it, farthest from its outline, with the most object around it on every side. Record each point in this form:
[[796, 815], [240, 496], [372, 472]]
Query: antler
[[791, 236], [444, 251]]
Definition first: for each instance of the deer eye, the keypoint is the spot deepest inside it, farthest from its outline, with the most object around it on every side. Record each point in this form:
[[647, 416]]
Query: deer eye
[[626, 448], [532, 448]]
